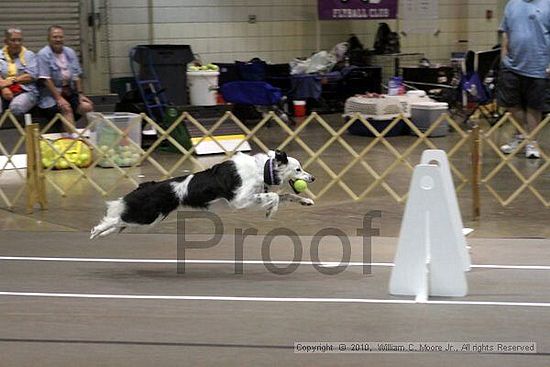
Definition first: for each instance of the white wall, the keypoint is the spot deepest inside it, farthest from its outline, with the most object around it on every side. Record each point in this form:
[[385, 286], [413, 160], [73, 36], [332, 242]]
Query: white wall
[[218, 30]]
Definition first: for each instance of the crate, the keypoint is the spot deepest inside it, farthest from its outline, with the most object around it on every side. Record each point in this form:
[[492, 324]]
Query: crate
[[358, 128], [386, 107], [108, 139]]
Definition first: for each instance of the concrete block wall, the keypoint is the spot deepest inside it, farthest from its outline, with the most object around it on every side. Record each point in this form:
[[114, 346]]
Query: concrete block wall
[[219, 31]]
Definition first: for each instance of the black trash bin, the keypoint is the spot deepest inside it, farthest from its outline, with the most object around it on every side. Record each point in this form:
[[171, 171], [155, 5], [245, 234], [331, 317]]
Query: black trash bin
[[170, 65]]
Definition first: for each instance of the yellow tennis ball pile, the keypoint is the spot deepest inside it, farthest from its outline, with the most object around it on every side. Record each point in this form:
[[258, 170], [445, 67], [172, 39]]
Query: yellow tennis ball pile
[[300, 185], [121, 155], [209, 67], [76, 152]]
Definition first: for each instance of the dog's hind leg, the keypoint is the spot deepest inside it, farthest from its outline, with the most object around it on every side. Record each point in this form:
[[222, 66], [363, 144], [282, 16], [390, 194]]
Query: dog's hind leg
[[107, 232], [112, 221], [106, 227]]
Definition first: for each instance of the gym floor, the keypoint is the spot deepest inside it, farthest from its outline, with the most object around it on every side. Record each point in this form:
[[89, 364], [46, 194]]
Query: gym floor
[[123, 301]]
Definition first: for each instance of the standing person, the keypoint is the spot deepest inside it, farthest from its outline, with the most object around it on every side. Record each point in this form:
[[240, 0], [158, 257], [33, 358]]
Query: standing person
[[18, 72], [59, 71], [525, 57]]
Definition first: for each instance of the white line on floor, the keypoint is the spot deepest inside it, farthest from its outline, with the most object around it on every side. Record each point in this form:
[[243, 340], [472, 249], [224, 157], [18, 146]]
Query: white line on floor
[[247, 262], [268, 299]]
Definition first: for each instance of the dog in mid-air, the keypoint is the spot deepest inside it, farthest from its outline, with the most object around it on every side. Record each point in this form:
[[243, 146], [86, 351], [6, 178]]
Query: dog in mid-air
[[244, 181]]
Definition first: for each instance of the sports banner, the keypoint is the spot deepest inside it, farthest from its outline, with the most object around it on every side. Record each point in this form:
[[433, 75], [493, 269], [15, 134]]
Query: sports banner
[[357, 9]]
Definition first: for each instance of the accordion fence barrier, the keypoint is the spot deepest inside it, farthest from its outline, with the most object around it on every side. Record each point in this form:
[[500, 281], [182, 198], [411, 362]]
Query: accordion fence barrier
[[479, 143]]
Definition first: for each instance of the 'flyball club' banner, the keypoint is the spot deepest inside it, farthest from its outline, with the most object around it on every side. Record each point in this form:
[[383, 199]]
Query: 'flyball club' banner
[[357, 9]]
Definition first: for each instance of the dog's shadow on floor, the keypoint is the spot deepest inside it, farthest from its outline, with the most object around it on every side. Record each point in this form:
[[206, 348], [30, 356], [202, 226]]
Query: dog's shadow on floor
[[189, 274]]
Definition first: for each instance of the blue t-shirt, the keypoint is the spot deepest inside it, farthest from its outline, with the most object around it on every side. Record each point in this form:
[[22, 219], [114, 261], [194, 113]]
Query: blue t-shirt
[[527, 24]]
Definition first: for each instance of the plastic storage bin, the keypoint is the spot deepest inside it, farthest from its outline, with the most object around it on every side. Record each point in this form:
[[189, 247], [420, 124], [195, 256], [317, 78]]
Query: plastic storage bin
[[203, 87], [109, 141], [423, 114]]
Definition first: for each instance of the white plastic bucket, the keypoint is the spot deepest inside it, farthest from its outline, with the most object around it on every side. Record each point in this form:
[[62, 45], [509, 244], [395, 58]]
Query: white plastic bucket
[[203, 87]]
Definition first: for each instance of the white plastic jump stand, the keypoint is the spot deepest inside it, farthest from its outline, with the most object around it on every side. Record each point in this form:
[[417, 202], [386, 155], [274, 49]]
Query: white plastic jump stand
[[431, 255], [439, 157]]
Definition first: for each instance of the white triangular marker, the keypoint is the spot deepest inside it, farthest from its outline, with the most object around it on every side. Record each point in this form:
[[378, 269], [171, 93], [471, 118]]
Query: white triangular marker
[[439, 156], [428, 260]]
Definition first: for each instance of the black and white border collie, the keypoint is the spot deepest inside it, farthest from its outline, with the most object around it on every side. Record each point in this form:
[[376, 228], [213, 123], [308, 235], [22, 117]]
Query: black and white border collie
[[243, 181]]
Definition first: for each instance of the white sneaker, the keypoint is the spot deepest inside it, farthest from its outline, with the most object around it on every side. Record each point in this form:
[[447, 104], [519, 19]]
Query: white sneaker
[[69, 135], [531, 151], [512, 144]]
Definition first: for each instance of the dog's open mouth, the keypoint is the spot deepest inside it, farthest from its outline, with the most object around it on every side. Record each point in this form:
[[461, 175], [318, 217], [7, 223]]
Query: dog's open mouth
[[291, 183]]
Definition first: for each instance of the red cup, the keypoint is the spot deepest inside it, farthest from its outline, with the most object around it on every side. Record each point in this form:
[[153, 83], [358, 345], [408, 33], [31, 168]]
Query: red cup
[[299, 108]]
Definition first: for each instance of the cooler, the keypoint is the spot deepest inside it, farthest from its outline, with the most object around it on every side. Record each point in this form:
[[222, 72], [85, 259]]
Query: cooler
[[423, 114]]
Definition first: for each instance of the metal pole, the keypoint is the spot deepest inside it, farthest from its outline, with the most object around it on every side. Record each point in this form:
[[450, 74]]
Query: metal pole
[[476, 172], [151, 20]]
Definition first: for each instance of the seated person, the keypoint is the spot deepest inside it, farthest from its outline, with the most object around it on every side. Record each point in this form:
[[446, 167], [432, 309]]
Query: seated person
[[59, 74], [18, 72]]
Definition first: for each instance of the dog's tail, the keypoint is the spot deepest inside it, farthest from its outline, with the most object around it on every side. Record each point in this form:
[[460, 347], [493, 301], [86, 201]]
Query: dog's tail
[[112, 221]]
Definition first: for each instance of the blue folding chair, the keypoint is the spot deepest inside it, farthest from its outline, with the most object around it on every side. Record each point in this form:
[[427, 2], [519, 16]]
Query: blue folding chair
[[253, 90]]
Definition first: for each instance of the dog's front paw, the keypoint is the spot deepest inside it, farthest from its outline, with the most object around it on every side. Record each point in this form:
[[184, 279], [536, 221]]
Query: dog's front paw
[[93, 233], [270, 213], [306, 202], [272, 209]]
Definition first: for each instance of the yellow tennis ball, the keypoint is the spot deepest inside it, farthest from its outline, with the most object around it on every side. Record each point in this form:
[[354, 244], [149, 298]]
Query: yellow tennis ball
[[300, 185], [62, 164], [84, 157], [47, 162]]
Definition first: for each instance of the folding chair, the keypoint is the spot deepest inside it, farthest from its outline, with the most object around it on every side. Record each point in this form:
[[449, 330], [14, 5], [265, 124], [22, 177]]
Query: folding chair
[[478, 84], [254, 90]]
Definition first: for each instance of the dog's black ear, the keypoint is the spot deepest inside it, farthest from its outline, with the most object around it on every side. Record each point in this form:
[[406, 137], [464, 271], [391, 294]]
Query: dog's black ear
[[281, 157]]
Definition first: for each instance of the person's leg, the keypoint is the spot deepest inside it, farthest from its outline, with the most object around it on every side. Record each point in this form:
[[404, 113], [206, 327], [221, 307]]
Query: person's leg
[[84, 108], [80, 107], [535, 97], [533, 118], [67, 113], [519, 115], [509, 96], [22, 103]]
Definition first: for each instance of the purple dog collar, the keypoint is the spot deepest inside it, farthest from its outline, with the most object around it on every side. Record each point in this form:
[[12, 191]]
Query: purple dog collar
[[270, 174]]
